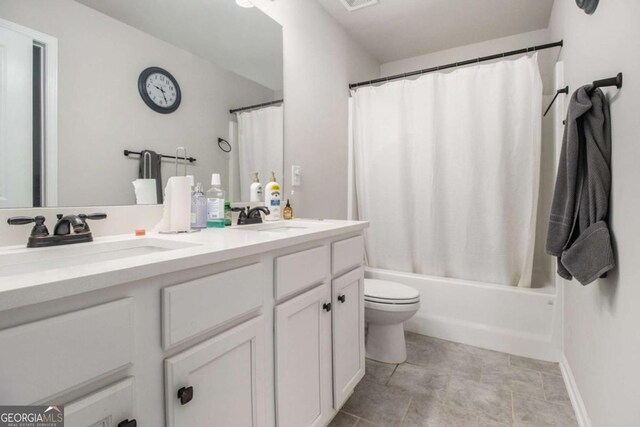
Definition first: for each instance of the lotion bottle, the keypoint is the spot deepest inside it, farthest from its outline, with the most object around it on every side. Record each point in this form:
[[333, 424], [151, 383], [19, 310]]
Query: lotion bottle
[[256, 189], [272, 199]]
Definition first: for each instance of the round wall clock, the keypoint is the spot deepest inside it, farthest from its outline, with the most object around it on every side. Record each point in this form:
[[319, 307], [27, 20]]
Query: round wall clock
[[159, 90]]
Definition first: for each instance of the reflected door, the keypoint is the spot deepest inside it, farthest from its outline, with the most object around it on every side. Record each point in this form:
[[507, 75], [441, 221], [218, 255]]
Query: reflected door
[[16, 115]]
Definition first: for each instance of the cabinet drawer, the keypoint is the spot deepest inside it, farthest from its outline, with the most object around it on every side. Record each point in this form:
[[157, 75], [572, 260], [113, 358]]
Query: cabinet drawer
[[347, 254], [200, 305], [45, 358], [301, 270], [107, 407]]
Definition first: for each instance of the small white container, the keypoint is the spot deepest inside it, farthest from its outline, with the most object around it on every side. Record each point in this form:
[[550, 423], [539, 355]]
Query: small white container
[[256, 194]]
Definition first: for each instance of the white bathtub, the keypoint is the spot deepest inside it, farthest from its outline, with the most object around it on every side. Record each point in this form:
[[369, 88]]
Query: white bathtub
[[526, 322]]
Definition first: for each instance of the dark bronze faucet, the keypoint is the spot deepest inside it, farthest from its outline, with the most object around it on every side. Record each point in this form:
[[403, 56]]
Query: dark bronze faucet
[[251, 216], [69, 229]]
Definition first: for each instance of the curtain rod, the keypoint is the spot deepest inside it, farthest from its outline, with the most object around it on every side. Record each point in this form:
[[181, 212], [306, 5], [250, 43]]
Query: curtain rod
[[457, 64], [251, 107]]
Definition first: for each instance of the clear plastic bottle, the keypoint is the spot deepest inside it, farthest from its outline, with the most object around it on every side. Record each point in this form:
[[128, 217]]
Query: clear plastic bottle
[[215, 203], [198, 208]]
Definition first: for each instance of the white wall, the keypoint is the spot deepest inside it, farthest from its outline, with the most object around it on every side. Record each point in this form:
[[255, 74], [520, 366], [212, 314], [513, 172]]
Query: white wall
[[546, 58], [320, 61], [543, 274], [602, 320], [101, 112]]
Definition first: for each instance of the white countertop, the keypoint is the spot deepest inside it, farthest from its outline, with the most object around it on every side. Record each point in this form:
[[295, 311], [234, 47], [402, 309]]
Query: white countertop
[[209, 246]]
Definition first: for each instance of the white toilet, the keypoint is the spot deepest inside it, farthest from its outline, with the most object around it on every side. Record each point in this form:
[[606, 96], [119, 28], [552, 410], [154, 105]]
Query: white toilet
[[387, 305]]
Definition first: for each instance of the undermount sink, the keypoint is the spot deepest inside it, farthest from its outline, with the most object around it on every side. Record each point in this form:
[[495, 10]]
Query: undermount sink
[[283, 227], [23, 261]]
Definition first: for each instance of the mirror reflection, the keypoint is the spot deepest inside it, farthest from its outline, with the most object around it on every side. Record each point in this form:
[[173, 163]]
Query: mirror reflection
[[82, 123]]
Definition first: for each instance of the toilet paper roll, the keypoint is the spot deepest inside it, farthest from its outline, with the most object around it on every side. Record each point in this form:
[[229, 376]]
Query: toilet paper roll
[[146, 193], [176, 215]]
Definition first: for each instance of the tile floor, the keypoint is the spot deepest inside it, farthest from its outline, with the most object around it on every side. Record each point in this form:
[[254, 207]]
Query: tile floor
[[446, 384]]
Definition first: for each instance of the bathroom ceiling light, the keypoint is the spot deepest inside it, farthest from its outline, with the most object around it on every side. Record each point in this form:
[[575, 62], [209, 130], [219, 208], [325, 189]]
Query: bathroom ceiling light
[[244, 3]]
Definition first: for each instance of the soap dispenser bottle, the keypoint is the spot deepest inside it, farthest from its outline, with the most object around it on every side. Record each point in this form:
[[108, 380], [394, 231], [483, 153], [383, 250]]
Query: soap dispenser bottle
[[215, 203], [272, 199], [198, 208], [256, 189]]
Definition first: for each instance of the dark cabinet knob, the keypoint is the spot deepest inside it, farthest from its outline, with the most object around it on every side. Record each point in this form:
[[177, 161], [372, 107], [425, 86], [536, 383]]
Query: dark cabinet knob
[[185, 394], [327, 306], [342, 298], [128, 423]]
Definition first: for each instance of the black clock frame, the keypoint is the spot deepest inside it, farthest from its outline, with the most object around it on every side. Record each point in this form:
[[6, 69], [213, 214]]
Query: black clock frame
[[142, 80]]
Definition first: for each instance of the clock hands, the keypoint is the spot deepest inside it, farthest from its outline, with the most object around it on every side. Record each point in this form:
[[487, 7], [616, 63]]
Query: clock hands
[[163, 94]]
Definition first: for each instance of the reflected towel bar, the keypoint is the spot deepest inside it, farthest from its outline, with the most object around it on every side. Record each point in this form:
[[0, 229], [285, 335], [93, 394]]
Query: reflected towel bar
[[164, 156]]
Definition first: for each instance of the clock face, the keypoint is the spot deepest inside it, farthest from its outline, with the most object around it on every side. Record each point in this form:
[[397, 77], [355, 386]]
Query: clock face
[[159, 90]]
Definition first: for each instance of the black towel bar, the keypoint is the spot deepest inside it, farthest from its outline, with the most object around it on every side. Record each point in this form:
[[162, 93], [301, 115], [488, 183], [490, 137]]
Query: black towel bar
[[164, 156]]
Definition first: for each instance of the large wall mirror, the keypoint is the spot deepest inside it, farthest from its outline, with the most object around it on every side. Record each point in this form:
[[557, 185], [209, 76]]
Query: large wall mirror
[[78, 114]]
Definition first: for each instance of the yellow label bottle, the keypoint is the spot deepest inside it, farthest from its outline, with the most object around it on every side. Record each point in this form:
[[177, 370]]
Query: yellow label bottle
[[287, 212]]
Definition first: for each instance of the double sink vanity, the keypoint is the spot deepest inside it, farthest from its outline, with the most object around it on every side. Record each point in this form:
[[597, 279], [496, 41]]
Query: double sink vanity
[[258, 325]]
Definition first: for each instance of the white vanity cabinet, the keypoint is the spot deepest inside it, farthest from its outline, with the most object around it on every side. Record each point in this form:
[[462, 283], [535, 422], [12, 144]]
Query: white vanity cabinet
[[220, 382], [319, 334], [273, 337], [348, 334], [303, 359], [113, 406]]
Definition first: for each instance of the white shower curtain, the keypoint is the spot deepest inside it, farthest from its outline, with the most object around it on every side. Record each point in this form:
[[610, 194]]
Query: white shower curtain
[[260, 145], [447, 171]]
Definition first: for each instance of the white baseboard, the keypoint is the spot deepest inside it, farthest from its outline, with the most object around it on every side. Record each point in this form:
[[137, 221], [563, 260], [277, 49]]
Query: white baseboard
[[574, 393], [484, 336]]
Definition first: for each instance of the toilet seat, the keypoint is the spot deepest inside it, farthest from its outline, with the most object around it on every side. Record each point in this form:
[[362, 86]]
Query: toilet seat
[[386, 292]]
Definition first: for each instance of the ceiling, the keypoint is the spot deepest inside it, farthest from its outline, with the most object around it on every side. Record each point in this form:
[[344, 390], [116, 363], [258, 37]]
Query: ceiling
[[398, 29], [245, 41]]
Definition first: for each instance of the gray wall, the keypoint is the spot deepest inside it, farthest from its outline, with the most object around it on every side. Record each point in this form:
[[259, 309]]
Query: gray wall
[[101, 113], [602, 320], [320, 61]]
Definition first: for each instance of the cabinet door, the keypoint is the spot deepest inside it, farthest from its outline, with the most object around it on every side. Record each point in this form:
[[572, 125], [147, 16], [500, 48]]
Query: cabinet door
[[303, 359], [348, 334], [220, 382], [105, 408]]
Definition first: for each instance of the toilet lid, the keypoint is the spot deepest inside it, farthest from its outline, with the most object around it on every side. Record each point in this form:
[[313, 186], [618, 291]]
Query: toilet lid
[[384, 290]]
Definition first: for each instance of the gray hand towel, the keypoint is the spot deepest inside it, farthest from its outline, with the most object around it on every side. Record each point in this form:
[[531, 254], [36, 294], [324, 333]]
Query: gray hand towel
[[578, 233], [153, 170]]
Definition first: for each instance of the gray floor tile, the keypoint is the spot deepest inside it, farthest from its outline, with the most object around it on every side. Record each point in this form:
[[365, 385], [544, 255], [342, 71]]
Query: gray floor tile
[[343, 420], [518, 380], [531, 412], [378, 372], [457, 359], [366, 423], [538, 365], [428, 411], [490, 358], [418, 380], [555, 389], [488, 423], [378, 403], [485, 400], [418, 353]]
